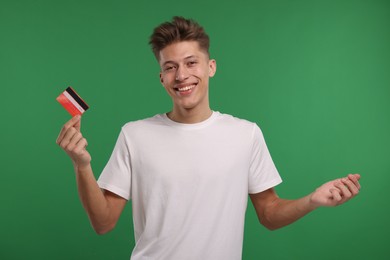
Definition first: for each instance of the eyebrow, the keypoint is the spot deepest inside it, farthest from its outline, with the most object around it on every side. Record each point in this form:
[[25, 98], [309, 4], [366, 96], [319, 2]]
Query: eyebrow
[[186, 58]]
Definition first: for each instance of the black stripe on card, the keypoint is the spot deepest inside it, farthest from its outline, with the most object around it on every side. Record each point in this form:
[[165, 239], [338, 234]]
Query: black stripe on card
[[77, 98]]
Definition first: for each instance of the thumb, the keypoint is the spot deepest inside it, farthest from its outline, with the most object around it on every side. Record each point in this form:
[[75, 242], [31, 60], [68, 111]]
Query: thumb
[[77, 122]]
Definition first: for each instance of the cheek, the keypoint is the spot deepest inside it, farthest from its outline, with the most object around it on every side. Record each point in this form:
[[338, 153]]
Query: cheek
[[167, 84], [165, 80], [201, 72]]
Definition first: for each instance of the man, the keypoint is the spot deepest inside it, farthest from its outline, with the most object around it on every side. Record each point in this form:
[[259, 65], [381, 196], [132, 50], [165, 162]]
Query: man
[[189, 172]]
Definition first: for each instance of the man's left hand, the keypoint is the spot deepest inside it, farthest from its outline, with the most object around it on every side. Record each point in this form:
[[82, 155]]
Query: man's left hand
[[336, 192]]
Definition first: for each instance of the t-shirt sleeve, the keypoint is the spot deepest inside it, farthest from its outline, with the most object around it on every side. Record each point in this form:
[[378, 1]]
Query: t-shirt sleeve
[[262, 173], [116, 175]]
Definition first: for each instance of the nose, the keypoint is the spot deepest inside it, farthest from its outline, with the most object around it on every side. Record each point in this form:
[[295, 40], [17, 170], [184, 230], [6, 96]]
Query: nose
[[181, 73]]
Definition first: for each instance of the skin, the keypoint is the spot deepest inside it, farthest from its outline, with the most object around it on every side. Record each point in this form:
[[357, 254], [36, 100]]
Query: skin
[[184, 64], [274, 212], [103, 207]]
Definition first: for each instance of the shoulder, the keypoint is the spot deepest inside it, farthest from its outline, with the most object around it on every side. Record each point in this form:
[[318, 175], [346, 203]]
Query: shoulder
[[143, 126], [141, 123], [231, 121]]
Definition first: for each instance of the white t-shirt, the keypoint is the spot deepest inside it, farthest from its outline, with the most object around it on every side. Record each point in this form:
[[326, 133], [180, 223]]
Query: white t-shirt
[[189, 184]]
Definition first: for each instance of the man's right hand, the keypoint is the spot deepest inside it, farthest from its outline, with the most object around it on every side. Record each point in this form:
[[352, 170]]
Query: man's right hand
[[103, 207], [74, 144]]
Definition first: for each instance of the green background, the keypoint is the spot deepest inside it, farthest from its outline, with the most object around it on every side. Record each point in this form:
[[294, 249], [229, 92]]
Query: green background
[[315, 75]]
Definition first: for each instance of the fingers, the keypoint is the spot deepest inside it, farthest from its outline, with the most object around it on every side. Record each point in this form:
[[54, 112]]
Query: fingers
[[80, 146], [352, 185], [336, 194], [356, 175], [355, 179], [74, 122], [338, 191], [345, 188], [70, 138]]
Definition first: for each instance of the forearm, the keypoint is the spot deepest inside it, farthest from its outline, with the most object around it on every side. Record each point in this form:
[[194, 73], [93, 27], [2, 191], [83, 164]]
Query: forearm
[[93, 199], [103, 211], [284, 212], [274, 212]]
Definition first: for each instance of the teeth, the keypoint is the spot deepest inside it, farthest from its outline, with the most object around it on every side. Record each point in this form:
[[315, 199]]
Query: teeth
[[186, 88]]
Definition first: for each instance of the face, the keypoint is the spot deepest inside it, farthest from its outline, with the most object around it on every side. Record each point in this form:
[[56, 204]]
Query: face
[[185, 73]]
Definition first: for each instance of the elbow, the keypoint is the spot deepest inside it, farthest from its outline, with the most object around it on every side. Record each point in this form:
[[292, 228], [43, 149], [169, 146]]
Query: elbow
[[102, 229], [102, 224], [269, 222], [101, 232], [269, 225]]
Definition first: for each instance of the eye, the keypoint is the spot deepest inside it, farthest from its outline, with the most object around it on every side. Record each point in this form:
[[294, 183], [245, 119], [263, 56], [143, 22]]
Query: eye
[[192, 63], [169, 68]]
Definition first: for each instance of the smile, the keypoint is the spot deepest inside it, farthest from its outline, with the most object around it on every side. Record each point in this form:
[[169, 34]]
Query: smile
[[185, 89]]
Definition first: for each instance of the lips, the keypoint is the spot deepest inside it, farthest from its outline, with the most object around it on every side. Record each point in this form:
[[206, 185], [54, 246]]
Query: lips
[[185, 89]]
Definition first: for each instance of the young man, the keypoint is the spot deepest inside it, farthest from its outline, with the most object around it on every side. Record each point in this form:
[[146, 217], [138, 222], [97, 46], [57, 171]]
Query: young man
[[189, 172]]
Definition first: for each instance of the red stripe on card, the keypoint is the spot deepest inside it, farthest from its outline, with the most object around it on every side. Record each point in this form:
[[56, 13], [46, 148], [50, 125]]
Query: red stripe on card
[[68, 105], [73, 101]]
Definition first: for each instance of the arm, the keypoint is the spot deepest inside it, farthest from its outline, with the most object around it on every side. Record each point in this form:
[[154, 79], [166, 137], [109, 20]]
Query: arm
[[103, 207], [274, 212]]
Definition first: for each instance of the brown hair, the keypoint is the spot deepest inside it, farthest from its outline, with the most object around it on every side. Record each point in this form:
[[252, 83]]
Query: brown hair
[[180, 29]]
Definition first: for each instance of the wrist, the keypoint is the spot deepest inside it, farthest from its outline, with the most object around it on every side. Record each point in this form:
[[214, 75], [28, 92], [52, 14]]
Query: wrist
[[311, 204], [82, 168]]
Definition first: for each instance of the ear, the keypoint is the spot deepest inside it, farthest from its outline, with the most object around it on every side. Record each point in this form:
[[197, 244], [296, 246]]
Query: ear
[[161, 79], [212, 67]]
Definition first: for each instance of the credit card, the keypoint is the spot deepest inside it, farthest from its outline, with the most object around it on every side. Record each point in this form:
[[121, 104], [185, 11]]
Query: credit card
[[72, 102]]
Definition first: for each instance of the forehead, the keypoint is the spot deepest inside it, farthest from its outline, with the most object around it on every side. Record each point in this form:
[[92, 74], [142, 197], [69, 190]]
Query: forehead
[[178, 51]]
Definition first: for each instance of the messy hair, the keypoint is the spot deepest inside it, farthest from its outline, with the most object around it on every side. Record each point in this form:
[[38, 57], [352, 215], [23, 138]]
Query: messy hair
[[179, 29]]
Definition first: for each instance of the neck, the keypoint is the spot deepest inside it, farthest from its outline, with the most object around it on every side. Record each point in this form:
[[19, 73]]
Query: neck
[[189, 116]]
